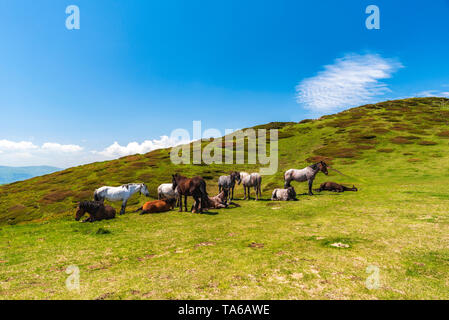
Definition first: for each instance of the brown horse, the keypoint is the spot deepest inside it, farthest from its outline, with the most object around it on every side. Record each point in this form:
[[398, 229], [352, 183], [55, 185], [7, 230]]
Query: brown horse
[[156, 206], [194, 187], [335, 187], [97, 211]]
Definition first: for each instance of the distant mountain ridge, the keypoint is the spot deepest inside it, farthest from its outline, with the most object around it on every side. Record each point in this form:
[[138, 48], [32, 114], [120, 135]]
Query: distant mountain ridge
[[13, 174]]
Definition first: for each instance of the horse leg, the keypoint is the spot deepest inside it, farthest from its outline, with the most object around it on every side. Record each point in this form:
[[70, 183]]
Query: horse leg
[[310, 187], [232, 197], [185, 203], [122, 210], [179, 201]]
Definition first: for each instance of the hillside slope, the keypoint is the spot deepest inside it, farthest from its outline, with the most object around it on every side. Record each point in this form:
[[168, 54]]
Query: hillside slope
[[326, 246], [410, 134]]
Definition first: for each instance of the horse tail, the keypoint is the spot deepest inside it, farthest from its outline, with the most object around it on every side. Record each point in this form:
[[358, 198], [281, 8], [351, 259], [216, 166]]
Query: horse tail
[[141, 208], [96, 197]]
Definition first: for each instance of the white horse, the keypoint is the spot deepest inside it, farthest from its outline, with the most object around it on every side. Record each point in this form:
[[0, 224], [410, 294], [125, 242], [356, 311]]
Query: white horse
[[306, 174], [165, 191], [122, 193], [252, 180]]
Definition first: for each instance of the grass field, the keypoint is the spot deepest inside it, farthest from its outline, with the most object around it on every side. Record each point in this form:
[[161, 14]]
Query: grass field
[[395, 152]]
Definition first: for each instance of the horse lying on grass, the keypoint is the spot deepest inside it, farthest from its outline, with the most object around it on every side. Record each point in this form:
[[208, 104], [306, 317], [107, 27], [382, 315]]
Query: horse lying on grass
[[288, 194], [218, 202], [335, 187], [156, 206], [97, 211]]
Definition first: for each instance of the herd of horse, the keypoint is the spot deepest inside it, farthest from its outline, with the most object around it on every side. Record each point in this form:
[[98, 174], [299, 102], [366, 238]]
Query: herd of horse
[[170, 195]]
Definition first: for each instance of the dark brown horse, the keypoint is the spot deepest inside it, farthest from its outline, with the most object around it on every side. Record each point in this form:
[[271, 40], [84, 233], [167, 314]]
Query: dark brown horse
[[194, 187], [335, 187], [97, 211]]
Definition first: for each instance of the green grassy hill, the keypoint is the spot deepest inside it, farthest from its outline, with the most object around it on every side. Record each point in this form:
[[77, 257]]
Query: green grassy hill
[[395, 152]]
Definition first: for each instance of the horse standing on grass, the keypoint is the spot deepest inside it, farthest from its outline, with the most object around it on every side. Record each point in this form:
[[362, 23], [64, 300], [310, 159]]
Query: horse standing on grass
[[122, 193], [97, 211], [252, 180], [228, 183], [306, 174], [194, 187]]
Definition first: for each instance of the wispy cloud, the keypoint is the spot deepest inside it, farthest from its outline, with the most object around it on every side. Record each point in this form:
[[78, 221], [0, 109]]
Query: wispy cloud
[[350, 81], [433, 93], [24, 153], [116, 150]]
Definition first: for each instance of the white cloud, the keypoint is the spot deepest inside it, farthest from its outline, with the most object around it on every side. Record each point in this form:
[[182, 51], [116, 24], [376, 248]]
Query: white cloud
[[432, 93], [25, 153], [116, 150], [351, 81], [11, 145], [51, 146]]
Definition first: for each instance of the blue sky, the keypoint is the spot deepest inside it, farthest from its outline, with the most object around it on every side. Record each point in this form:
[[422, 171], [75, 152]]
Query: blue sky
[[136, 70]]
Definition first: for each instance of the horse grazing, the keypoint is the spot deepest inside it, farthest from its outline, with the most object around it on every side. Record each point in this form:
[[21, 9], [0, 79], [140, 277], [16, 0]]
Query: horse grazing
[[97, 211], [228, 183], [306, 174], [288, 194], [122, 193], [335, 187], [252, 180], [194, 187], [157, 206]]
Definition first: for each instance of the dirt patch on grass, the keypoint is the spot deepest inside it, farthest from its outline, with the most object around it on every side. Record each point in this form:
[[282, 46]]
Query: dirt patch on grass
[[385, 150], [56, 196], [401, 140], [443, 134], [337, 152], [380, 130], [256, 245], [427, 143], [316, 159], [414, 160]]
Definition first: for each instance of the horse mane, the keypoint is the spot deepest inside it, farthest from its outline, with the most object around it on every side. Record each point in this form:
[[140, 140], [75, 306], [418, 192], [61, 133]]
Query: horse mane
[[91, 206], [315, 166]]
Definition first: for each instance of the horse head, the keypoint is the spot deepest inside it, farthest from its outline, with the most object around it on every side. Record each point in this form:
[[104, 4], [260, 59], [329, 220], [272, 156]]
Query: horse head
[[144, 190], [291, 193], [235, 176], [323, 168], [80, 212]]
